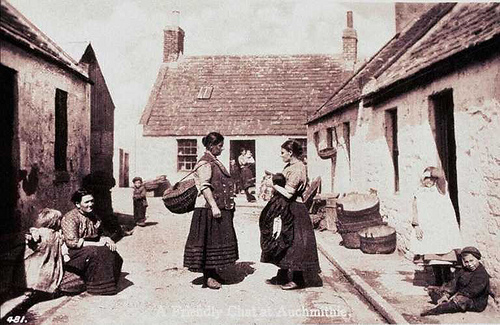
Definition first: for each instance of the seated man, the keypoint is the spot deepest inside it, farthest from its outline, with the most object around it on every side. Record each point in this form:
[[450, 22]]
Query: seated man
[[92, 255], [468, 291]]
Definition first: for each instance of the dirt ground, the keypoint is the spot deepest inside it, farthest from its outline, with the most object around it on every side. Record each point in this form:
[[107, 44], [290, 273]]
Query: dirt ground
[[156, 289]]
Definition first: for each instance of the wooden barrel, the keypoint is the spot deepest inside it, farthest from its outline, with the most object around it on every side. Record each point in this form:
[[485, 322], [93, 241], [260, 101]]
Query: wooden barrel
[[349, 232], [377, 240], [356, 212], [357, 205]]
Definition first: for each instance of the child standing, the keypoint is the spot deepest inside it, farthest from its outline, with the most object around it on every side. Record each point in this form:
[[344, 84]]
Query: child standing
[[436, 234], [140, 202]]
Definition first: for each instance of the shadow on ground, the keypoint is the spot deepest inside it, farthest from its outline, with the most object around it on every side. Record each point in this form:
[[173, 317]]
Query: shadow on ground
[[124, 283], [236, 273]]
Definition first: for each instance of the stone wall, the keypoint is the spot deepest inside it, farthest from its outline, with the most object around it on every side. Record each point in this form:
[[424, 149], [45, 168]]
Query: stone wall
[[37, 81], [318, 167], [476, 98]]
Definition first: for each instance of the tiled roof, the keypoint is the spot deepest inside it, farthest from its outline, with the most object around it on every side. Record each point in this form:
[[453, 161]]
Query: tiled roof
[[252, 95], [17, 28], [465, 27], [350, 92]]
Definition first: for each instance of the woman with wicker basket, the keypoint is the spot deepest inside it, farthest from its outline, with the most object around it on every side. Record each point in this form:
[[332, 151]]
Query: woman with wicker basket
[[212, 242], [301, 253]]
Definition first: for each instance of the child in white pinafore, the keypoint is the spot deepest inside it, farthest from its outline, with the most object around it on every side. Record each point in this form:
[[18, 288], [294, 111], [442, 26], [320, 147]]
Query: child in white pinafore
[[436, 234]]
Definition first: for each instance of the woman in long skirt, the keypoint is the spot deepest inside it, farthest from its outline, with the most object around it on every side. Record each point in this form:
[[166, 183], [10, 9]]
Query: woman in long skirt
[[212, 242], [298, 251]]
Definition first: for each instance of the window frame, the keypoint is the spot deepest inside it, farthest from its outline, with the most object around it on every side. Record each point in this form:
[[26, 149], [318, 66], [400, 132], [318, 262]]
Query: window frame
[[182, 162], [61, 131]]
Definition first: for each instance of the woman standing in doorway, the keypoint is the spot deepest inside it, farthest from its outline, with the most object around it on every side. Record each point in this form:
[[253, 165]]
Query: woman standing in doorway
[[212, 242], [247, 164], [302, 254]]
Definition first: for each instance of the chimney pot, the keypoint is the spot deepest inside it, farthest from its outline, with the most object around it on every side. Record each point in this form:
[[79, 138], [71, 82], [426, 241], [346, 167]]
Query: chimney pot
[[176, 18], [350, 44], [349, 19]]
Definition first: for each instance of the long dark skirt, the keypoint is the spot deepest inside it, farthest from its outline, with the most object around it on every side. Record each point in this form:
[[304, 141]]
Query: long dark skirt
[[302, 255], [139, 210], [211, 242], [273, 246], [99, 267]]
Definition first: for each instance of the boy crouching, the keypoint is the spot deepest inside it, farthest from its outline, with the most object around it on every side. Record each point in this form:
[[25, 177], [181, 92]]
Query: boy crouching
[[468, 291]]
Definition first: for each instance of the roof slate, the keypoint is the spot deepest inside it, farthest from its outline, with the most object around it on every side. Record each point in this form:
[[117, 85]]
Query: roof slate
[[252, 95], [16, 27], [351, 91], [467, 25]]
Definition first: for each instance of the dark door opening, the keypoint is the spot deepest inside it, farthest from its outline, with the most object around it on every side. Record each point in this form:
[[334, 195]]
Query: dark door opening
[[245, 178], [391, 136], [8, 170], [444, 135], [236, 147], [123, 175]]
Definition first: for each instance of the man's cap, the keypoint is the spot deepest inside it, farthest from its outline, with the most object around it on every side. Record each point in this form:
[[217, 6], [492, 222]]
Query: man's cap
[[471, 250]]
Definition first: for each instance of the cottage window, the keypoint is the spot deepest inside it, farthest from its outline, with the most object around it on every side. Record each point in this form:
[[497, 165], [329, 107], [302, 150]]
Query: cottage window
[[186, 154], [316, 138], [61, 130], [391, 135], [346, 129], [330, 136], [205, 92]]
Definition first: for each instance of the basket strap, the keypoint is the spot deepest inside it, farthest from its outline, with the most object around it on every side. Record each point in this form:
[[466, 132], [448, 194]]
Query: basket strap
[[190, 173]]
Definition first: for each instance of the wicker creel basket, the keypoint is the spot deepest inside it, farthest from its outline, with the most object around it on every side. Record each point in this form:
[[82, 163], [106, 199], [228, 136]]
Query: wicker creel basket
[[181, 197]]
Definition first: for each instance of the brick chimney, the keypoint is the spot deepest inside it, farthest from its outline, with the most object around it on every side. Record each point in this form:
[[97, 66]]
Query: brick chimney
[[407, 12], [173, 40], [350, 44]]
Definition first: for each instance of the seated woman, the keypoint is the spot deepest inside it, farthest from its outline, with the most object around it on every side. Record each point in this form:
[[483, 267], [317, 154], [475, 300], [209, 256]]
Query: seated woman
[[92, 255], [468, 291]]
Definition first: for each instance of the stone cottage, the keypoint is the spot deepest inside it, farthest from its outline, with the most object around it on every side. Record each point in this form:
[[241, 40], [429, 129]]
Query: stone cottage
[[45, 147], [429, 97], [256, 102]]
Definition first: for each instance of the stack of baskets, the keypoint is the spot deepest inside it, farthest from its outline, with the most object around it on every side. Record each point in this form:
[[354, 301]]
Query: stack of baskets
[[360, 224]]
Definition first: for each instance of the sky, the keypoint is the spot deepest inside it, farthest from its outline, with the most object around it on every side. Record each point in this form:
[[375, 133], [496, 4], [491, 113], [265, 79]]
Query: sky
[[127, 35]]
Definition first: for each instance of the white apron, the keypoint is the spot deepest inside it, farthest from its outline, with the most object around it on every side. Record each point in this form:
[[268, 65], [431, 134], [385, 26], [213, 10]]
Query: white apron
[[436, 218]]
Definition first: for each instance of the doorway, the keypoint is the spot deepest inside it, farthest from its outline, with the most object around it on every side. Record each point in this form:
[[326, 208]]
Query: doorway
[[8, 170], [123, 175], [444, 135], [244, 179]]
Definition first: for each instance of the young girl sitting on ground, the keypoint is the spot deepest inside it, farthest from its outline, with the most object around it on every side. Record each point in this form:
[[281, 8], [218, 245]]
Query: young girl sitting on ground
[[43, 258]]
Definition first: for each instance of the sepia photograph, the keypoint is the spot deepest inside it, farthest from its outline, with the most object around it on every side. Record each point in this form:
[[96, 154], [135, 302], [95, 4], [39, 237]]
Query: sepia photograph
[[249, 162]]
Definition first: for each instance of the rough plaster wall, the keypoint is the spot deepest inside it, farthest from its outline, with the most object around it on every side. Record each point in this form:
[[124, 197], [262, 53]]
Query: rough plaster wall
[[37, 81], [158, 155], [476, 97], [323, 167], [101, 155]]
